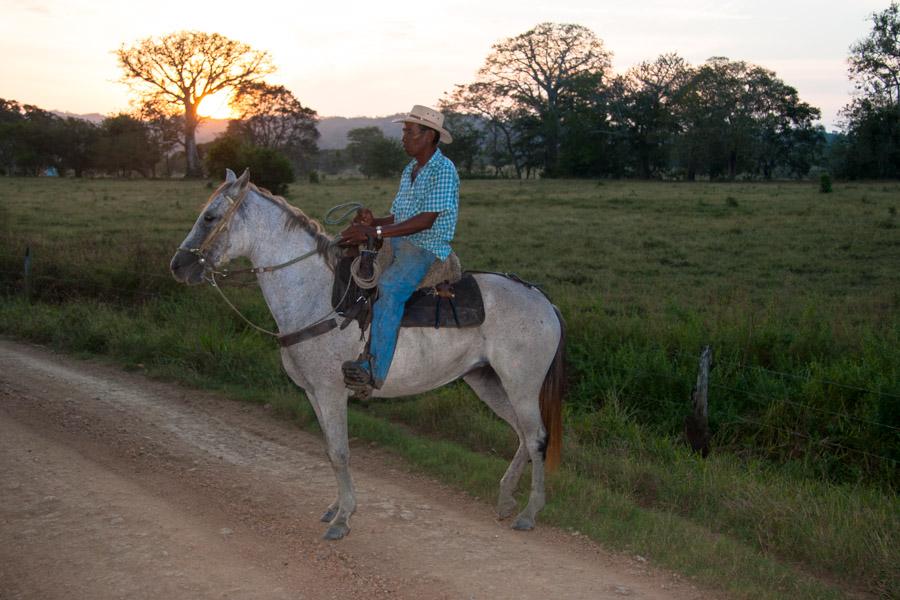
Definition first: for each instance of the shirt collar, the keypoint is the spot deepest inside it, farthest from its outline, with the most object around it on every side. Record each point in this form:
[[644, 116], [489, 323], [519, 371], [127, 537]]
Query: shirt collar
[[432, 160]]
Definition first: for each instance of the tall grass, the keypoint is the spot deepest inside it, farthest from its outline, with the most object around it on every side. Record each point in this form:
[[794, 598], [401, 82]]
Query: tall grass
[[798, 294]]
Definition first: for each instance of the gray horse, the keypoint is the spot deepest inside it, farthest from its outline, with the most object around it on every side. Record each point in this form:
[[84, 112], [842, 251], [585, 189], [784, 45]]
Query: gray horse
[[513, 360]]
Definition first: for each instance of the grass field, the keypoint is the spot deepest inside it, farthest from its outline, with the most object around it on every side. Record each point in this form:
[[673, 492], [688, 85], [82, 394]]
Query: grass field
[[798, 293]]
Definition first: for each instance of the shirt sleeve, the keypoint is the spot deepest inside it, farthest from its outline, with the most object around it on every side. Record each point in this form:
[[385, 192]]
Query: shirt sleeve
[[443, 191]]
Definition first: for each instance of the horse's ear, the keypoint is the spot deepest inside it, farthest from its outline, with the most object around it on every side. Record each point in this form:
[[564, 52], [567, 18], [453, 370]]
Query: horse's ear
[[230, 177], [244, 178]]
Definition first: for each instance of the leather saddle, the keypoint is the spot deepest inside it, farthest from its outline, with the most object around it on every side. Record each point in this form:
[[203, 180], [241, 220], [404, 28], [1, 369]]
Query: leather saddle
[[447, 297]]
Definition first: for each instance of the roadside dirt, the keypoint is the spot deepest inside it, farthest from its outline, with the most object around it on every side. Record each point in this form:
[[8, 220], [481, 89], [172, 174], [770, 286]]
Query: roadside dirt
[[116, 486]]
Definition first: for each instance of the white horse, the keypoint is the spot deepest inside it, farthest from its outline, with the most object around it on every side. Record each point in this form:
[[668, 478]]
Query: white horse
[[513, 360]]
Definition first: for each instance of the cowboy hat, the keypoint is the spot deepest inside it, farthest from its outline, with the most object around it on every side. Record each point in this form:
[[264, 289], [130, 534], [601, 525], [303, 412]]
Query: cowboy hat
[[427, 117]]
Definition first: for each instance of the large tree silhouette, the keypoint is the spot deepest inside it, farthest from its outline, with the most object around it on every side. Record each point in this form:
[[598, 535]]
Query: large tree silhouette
[[534, 74], [272, 117], [180, 69]]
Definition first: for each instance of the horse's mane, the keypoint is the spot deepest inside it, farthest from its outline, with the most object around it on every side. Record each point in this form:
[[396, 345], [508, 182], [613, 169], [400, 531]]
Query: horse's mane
[[296, 218]]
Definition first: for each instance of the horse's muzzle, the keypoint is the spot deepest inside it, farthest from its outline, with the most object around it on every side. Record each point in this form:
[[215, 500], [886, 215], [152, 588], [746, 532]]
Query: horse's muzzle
[[187, 268]]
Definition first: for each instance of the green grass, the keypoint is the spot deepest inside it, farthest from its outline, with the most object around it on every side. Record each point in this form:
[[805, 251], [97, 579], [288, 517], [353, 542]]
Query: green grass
[[798, 293]]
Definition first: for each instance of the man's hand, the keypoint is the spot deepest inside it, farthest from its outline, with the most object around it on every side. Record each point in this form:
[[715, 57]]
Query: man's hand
[[356, 234], [364, 216]]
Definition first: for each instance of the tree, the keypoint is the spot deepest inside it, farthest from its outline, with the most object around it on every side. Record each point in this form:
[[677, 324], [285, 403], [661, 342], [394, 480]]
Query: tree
[[594, 134], [32, 139], [180, 69], [533, 73], [376, 155], [10, 131], [272, 117], [651, 90], [875, 60], [39, 141], [164, 130], [467, 136], [268, 167], [497, 112], [872, 144], [739, 117], [225, 152], [124, 146], [77, 144], [872, 118]]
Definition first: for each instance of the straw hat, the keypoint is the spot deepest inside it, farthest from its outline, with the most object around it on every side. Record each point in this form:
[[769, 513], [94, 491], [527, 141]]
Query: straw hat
[[427, 117]]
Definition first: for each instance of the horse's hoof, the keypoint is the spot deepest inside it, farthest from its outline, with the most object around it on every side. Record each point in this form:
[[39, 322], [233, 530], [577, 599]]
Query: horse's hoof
[[523, 524], [506, 509], [329, 515], [336, 532]]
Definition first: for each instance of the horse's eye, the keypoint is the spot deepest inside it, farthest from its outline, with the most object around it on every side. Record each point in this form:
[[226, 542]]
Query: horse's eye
[[209, 217]]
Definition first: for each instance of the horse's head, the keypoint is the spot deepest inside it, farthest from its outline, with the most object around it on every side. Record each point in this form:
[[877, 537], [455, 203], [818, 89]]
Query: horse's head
[[213, 240]]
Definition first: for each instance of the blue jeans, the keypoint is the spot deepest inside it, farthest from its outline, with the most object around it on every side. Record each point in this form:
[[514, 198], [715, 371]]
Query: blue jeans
[[396, 285]]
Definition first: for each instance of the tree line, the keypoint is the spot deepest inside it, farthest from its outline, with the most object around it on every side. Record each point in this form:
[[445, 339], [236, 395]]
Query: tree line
[[544, 103], [34, 141], [870, 146]]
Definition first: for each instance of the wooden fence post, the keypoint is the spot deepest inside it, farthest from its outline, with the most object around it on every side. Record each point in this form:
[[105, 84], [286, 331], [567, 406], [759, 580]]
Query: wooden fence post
[[696, 424], [27, 285]]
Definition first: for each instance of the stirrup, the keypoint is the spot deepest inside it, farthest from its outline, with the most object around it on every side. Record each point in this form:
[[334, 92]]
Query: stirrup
[[356, 375]]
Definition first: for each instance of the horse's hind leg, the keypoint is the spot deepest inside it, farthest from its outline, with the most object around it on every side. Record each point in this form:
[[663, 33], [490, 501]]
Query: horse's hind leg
[[487, 385], [524, 400], [535, 441]]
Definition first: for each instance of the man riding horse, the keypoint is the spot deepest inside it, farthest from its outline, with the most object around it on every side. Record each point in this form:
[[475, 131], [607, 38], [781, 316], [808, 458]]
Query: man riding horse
[[419, 228]]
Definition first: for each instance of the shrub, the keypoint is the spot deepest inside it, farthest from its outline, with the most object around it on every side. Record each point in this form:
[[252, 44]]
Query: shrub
[[268, 168], [825, 183]]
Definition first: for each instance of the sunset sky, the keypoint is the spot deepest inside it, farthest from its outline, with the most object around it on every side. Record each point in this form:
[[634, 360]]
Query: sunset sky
[[364, 58]]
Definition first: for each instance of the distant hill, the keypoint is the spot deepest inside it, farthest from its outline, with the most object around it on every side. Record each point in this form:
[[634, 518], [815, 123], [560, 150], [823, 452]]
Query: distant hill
[[92, 117], [333, 130]]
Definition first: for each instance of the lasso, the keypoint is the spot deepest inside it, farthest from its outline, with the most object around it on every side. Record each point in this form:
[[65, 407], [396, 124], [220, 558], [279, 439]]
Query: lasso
[[363, 282]]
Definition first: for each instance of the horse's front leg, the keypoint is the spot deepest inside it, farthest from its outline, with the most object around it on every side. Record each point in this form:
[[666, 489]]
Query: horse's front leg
[[331, 408]]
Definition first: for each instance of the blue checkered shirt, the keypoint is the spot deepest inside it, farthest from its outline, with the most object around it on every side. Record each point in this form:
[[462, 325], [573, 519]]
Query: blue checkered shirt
[[436, 189]]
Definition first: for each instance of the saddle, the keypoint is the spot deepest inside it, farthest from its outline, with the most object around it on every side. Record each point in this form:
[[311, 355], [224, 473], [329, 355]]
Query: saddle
[[446, 297]]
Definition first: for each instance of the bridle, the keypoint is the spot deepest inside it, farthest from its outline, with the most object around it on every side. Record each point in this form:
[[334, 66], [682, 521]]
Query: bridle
[[210, 270]]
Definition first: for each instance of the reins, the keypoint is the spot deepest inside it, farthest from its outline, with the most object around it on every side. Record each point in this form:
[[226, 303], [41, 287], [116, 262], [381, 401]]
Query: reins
[[320, 326]]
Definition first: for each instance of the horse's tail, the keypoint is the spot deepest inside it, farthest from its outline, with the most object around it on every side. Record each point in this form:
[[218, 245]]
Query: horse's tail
[[553, 390]]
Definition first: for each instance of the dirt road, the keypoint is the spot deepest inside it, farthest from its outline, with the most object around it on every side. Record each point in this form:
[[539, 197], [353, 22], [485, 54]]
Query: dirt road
[[116, 486]]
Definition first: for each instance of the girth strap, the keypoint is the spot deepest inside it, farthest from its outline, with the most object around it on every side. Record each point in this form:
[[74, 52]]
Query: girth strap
[[306, 334]]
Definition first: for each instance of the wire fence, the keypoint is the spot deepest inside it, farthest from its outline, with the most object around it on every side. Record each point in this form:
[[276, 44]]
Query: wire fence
[[767, 400], [817, 441], [794, 376], [33, 276]]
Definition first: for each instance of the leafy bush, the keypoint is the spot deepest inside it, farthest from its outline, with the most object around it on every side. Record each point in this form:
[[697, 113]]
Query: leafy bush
[[268, 168], [825, 183]]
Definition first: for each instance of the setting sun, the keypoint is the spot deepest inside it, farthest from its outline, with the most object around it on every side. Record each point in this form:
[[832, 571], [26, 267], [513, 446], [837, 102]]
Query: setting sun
[[216, 106]]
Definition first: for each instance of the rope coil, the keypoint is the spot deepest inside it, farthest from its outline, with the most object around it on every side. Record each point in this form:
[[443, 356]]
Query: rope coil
[[349, 208], [365, 283]]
